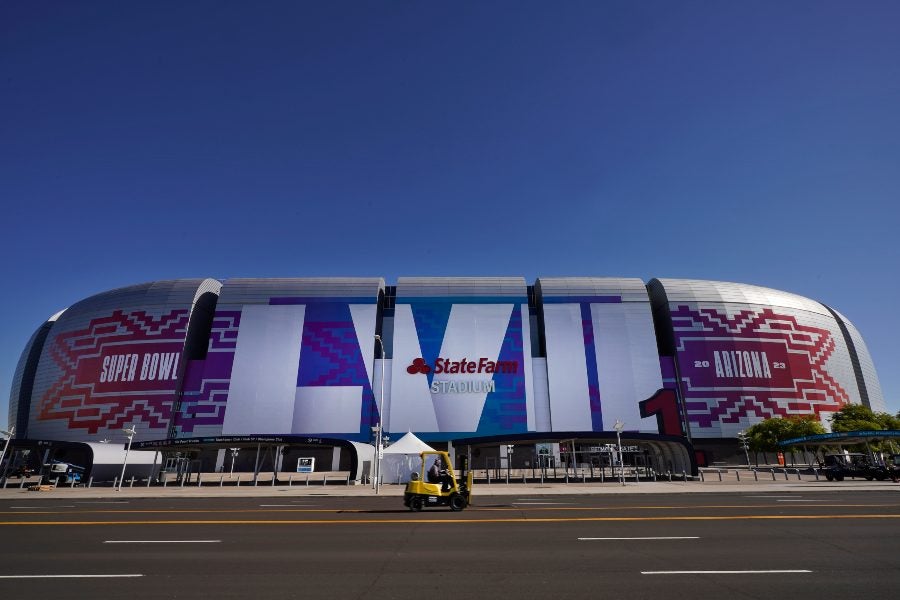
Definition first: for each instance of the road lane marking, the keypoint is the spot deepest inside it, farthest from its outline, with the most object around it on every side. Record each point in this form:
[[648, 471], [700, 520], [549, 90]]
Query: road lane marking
[[69, 576], [671, 507], [803, 501], [760, 572], [686, 537], [452, 521], [284, 505], [162, 542], [538, 503]]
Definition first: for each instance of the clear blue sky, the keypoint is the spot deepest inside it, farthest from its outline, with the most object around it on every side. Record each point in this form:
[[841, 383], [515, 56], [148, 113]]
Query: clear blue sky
[[751, 142]]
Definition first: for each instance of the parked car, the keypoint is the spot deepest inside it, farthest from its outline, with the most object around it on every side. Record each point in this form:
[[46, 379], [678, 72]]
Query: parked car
[[853, 464], [893, 467]]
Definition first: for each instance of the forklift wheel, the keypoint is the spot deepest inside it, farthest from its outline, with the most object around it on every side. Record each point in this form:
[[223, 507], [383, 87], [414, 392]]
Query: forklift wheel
[[457, 502], [415, 504]]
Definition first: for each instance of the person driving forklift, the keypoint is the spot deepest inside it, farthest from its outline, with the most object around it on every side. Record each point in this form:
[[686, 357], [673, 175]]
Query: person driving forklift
[[438, 474]]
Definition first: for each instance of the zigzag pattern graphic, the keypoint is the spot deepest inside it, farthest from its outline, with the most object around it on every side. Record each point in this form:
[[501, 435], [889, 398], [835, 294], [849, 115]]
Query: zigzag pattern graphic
[[330, 355], [224, 333], [821, 394], [206, 408], [76, 402], [505, 409], [204, 403]]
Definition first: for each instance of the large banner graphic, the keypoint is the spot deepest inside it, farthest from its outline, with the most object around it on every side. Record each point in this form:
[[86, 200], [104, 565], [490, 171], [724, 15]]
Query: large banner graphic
[[752, 365], [120, 369]]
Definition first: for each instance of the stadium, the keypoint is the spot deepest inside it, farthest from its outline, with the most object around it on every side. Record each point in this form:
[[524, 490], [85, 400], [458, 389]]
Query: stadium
[[501, 371]]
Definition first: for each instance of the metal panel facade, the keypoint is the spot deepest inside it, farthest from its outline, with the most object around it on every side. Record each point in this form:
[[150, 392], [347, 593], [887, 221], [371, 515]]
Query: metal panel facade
[[870, 377], [23, 378]]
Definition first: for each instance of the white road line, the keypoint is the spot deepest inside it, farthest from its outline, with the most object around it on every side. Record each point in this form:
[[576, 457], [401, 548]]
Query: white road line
[[68, 576], [287, 505], [687, 537], [803, 500], [113, 502], [724, 572], [770, 497], [539, 503], [40, 507], [162, 542]]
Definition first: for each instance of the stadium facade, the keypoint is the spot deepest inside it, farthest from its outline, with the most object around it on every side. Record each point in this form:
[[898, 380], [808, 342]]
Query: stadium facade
[[202, 363]]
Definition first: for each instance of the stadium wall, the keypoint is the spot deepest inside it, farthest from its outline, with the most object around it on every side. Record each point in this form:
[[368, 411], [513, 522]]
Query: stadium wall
[[464, 357]]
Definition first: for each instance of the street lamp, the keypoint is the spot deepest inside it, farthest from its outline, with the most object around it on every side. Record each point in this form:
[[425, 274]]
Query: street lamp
[[619, 426], [130, 433], [745, 444], [9, 435], [234, 453], [380, 426]]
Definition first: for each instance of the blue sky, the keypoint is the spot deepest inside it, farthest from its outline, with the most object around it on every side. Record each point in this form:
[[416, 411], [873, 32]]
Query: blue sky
[[751, 142]]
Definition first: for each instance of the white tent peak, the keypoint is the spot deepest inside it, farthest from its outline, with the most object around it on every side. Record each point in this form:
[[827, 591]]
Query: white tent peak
[[402, 458], [408, 444]]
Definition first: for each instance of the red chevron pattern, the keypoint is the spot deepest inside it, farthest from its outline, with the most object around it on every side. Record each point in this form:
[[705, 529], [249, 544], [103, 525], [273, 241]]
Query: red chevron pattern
[[753, 364], [120, 369]]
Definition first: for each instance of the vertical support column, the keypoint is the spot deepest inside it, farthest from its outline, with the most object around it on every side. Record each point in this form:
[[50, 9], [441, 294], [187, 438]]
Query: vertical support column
[[220, 460], [279, 458], [256, 465]]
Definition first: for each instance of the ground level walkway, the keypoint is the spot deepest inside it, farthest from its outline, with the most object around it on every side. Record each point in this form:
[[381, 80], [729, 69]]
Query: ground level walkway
[[767, 480]]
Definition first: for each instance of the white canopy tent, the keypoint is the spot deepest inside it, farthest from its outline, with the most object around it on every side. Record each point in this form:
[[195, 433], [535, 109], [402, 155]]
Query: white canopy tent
[[402, 458]]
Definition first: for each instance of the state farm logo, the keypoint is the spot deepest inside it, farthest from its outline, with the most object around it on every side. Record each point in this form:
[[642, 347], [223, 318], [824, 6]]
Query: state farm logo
[[464, 366], [418, 366]]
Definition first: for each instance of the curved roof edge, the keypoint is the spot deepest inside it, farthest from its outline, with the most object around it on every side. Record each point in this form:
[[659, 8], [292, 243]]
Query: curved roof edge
[[701, 290]]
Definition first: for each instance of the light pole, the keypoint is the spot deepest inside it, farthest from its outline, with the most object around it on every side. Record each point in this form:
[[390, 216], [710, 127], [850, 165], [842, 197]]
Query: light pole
[[130, 433], [745, 444], [378, 434], [9, 436], [234, 453], [619, 426]]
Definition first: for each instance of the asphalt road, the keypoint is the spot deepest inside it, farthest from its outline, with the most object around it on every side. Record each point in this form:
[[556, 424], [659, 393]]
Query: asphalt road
[[816, 545]]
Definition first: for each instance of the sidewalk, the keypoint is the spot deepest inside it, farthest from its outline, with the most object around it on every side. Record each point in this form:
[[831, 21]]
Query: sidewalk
[[711, 485]]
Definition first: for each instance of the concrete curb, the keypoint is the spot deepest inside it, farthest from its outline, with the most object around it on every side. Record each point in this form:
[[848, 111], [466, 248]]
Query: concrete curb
[[483, 490]]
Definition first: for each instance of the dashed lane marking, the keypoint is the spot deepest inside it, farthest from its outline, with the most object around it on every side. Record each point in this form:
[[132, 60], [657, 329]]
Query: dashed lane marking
[[73, 576], [162, 542], [754, 572], [686, 537]]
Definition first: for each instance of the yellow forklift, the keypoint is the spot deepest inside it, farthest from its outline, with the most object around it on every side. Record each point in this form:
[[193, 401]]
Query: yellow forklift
[[435, 484]]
